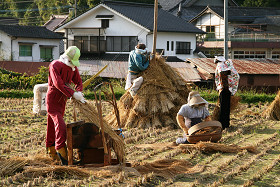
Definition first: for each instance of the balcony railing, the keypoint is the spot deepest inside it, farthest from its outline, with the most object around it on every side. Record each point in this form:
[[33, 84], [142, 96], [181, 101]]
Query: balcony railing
[[243, 37]]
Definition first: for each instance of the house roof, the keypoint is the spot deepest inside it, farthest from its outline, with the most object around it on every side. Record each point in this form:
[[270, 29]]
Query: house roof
[[167, 4], [268, 20], [118, 68], [143, 14], [241, 14], [29, 32], [243, 66], [174, 4], [55, 21]]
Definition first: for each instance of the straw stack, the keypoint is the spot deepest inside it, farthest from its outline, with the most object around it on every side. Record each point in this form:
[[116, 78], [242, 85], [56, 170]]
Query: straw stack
[[273, 110], [158, 100]]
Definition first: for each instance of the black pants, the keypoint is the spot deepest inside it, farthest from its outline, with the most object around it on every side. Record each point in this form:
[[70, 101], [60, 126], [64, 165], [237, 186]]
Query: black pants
[[224, 107]]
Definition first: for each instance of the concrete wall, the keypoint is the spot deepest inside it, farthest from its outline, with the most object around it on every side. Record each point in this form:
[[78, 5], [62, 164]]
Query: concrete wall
[[5, 47], [35, 48], [163, 37]]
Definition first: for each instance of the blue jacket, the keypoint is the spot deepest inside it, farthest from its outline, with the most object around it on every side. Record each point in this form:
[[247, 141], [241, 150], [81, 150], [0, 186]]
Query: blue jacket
[[137, 62]]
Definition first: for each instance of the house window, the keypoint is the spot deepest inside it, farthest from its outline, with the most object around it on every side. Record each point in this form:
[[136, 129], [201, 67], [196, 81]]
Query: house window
[[210, 28], [82, 42], [105, 23], [172, 46], [25, 50], [121, 43], [183, 47], [248, 54], [46, 54], [167, 46], [275, 54]]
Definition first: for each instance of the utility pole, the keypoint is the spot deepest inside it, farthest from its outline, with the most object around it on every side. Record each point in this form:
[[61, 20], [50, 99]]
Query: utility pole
[[226, 29], [75, 8], [155, 27]]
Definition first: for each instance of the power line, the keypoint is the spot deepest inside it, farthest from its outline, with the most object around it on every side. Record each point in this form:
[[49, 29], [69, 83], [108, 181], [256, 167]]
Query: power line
[[17, 2], [35, 9]]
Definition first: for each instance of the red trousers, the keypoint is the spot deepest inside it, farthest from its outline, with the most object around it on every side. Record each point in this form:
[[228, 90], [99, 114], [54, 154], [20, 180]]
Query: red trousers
[[56, 127]]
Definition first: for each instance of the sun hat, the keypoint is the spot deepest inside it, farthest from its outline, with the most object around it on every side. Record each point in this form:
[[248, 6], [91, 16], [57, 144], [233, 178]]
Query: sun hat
[[195, 99], [219, 59], [74, 54]]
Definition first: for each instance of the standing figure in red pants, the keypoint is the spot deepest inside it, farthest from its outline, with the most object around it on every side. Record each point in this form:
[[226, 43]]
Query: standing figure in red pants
[[62, 73]]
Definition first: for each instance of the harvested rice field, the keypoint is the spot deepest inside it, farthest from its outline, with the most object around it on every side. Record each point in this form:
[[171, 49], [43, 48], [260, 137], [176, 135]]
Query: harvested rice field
[[247, 155]]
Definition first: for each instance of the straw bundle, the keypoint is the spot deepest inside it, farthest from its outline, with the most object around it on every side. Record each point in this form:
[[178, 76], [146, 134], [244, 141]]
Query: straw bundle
[[10, 166], [91, 115], [158, 100], [234, 100], [167, 168], [272, 112]]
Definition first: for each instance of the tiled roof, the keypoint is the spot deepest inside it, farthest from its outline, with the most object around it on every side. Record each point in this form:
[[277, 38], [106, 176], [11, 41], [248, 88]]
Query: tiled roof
[[55, 21], [143, 14], [268, 20], [188, 13], [243, 66], [243, 14], [118, 69], [167, 4], [29, 32]]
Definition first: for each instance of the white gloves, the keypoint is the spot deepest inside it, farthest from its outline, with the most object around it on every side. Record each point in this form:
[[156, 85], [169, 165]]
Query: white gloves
[[79, 96]]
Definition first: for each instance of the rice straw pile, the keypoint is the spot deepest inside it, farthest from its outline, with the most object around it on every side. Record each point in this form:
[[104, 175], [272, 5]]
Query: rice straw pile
[[90, 114], [217, 147], [10, 166], [273, 110], [167, 168], [234, 100], [158, 100], [39, 165]]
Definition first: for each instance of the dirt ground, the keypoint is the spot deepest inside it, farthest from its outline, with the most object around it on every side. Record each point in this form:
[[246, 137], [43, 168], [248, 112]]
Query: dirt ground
[[22, 149]]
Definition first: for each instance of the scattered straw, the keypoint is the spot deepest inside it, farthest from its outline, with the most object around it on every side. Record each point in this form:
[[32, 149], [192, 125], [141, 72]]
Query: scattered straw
[[214, 147], [202, 146], [10, 166], [56, 172], [167, 168]]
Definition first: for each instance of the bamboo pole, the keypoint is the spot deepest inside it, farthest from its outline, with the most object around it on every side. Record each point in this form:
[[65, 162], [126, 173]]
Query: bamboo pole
[[155, 27]]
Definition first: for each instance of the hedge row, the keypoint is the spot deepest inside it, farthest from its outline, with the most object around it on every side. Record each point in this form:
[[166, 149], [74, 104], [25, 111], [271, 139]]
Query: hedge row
[[210, 96]]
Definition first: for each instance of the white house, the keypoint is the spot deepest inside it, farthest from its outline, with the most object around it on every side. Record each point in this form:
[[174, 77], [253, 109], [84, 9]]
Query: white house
[[28, 43], [116, 27]]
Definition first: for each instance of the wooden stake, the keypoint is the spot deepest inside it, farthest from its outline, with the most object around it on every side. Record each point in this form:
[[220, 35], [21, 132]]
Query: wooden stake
[[155, 27]]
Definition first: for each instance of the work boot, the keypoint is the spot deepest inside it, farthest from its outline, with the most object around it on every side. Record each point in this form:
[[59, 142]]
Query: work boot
[[52, 153], [62, 153]]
